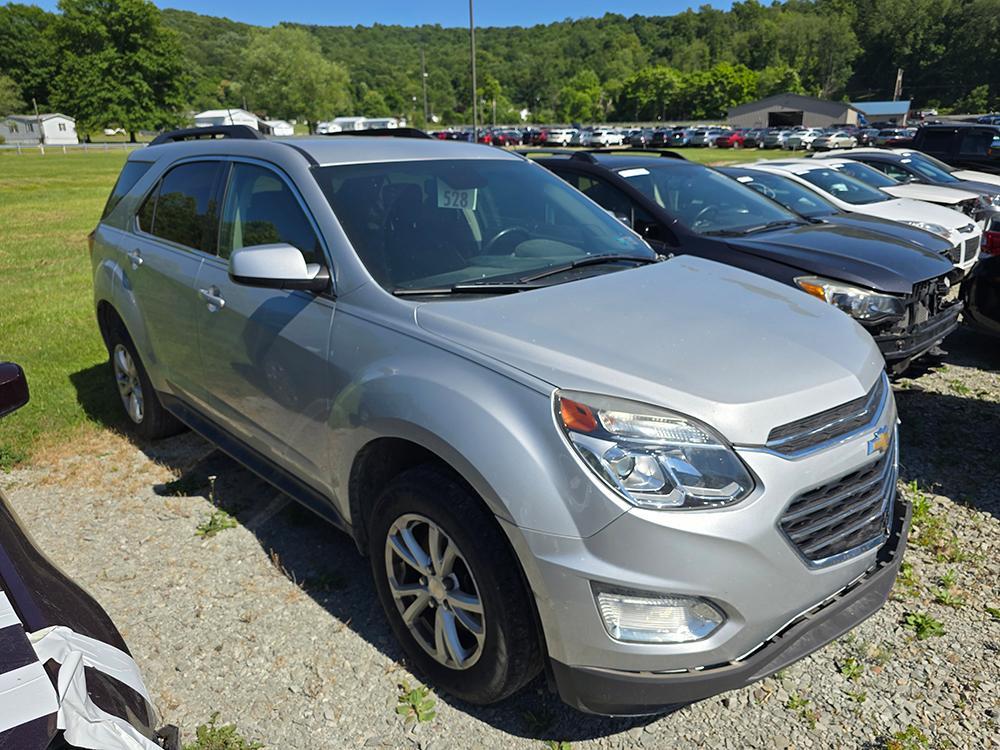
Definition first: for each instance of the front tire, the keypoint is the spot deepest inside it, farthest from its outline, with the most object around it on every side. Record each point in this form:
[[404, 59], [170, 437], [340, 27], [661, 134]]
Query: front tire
[[146, 416], [452, 588]]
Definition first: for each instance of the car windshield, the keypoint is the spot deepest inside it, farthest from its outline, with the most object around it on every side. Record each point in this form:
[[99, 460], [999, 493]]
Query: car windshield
[[787, 192], [867, 174], [705, 201], [843, 186], [928, 170], [438, 223]]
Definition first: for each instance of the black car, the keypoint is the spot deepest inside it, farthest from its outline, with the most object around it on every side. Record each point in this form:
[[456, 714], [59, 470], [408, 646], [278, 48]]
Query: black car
[[812, 205], [892, 287], [915, 167], [964, 145], [103, 705], [661, 137], [980, 291]]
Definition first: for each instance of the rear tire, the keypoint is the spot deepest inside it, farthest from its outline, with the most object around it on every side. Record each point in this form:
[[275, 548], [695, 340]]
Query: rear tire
[[145, 414], [440, 560]]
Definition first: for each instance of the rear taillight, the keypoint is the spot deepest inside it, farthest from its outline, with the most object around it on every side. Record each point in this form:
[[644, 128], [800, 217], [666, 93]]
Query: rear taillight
[[991, 246]]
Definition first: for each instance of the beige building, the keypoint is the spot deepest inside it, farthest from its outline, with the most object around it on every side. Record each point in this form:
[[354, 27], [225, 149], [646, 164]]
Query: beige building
[[788, 110]]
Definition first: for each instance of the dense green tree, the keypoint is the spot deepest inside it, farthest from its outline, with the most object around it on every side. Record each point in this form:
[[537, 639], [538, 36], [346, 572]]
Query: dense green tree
[[26, 49], [286, 75], [372, 104], [118, 66], [580, 99], [10, 96]]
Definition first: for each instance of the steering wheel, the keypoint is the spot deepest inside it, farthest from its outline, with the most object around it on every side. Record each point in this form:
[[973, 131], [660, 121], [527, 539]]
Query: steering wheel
[[704, 214], [505, 233]]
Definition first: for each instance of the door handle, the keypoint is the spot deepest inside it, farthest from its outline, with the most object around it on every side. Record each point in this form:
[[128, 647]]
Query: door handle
[[135, 257], [213, 297]]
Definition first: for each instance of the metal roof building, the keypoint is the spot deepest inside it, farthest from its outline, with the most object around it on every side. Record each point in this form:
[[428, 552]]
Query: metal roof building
[[894, 112], [788, 110]]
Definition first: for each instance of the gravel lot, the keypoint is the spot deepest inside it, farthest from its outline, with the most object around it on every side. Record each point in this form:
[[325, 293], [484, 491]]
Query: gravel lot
[[275, 625]]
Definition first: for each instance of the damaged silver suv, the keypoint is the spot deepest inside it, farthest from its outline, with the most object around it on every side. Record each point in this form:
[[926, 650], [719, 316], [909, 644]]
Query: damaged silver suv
[[656, 479]]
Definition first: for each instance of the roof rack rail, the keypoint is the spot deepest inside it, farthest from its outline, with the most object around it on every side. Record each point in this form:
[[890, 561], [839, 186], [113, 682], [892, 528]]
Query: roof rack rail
[[629, 150], [387, 132], [572, 153], [244, 132]]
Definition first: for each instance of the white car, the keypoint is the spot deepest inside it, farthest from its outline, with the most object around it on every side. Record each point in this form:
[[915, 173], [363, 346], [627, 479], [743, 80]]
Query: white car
[[560, 136], [606, 138], [840, 139], [852, 195], [801, 140], [954, 198], [959, 174]]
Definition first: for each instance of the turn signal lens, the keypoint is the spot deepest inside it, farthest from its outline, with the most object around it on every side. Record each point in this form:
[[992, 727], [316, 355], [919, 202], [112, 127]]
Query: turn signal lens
[[577, 416], [816, 290]]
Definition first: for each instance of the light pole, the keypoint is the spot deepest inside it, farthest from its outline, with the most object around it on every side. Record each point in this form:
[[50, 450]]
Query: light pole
[[475, 94], [423, 80]]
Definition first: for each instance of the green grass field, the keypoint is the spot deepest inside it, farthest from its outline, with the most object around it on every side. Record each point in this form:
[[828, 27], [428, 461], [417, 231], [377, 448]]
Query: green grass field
[[48, 204]]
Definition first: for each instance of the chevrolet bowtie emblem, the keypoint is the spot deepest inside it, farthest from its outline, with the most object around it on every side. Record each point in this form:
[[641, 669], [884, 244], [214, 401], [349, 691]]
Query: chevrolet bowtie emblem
[[879, 442]]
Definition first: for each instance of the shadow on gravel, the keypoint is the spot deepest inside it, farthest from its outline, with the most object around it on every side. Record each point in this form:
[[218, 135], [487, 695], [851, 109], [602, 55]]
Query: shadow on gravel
[[326, 564], [969, 348], [948, 444]]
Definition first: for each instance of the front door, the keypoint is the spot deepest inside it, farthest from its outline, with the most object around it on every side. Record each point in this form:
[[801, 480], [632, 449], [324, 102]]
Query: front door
[[264, 352]]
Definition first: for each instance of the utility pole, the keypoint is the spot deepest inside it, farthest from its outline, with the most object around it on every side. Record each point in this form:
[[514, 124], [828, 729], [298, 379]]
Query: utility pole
[[899, 85], [475, 93], [38, 119], [423, 80]]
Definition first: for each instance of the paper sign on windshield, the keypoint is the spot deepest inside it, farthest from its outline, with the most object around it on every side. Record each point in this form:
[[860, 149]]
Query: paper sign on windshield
[[448, 197]]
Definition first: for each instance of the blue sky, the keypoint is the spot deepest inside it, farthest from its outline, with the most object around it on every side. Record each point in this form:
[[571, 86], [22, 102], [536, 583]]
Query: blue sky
[[410, 13]]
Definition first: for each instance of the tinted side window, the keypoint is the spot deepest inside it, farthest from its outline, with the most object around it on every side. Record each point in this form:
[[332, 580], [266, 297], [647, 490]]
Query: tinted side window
[[976, 143], [186, 210], [611, 198], [937, 140], [261, 209], [132, 172]]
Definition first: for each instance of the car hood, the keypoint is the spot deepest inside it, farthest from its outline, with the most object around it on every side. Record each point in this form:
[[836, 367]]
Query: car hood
[[907, 209], [974, 176], [847, 252], [738, 351], [920, 237], [930, 193]]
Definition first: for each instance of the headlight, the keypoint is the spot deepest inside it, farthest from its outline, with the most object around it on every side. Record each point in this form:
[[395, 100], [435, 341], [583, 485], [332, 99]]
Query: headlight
[[928, 227], [860, 304], [652, 457], [640, 617]]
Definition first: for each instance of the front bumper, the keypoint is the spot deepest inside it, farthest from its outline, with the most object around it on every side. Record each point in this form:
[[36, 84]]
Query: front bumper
[[620, 693], [900, 348]]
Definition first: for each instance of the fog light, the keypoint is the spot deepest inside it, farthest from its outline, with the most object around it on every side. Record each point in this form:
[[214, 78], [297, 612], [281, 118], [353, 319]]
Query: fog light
[[657, 618]]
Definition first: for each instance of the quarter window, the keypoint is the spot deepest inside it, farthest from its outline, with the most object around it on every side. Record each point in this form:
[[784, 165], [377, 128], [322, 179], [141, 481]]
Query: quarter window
[[184, 207], [260, 209]]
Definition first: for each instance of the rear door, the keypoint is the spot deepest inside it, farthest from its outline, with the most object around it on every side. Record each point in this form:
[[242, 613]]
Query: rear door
[[264, 352], [174, 231]]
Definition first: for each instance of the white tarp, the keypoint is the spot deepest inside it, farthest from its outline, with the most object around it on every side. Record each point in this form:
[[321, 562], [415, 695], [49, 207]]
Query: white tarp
[[27, 693]]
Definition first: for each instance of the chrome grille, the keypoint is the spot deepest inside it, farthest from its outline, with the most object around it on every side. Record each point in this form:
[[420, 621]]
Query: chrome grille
[[971, 247], [832, 424], [845, 517]]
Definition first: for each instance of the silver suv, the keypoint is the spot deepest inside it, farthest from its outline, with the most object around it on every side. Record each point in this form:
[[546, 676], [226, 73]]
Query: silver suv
[[657, 479]]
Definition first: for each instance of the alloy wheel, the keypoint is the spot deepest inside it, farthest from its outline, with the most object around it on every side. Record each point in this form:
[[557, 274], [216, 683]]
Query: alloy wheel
[[435, 592], [129, 385]]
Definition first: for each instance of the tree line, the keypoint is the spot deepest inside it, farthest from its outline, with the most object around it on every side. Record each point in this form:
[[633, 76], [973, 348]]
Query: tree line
[[126, 63]]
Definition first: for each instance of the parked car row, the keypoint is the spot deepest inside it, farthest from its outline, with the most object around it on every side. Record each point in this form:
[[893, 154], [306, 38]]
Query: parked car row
[[455, 367]]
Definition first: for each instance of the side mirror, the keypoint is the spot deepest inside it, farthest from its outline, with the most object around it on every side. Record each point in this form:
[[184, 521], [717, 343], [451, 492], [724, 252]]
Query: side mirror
[[13, 388], [279, 266], [623, 218]]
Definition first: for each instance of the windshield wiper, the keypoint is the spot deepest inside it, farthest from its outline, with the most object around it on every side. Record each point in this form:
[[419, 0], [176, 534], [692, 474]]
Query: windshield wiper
[[488, 287], [759, 228], [590, 260]]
